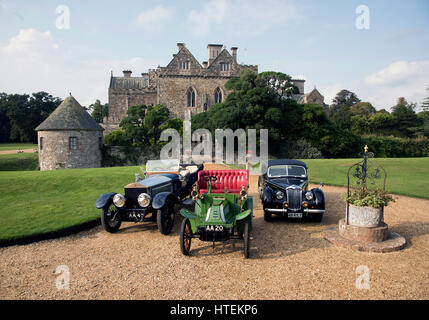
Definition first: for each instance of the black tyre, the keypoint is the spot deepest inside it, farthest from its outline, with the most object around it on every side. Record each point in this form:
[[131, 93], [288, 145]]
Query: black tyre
[[246, 238], [316, 217], [185, 236], [110, 218], [165, 217], [267, 215]]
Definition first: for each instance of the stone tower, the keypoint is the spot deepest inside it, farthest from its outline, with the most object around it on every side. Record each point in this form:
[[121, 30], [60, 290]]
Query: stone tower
[[69, 138]]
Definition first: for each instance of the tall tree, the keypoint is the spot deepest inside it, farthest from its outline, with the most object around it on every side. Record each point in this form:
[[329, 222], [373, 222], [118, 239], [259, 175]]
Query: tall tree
[[27, 112], [99, 111], [405, 117], [133, 125], [343, 98]]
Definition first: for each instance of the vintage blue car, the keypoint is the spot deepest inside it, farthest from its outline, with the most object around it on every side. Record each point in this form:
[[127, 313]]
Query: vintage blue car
[[152, 198], [283, 189]]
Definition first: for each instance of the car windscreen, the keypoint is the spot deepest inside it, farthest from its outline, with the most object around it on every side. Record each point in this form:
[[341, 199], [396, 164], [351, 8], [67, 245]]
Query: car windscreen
[[287, 170], [163, 165]]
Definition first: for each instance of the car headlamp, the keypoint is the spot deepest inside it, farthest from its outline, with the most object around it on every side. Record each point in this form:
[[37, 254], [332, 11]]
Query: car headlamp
[[309, 196], [143, 200], [243, 194], [279, 195], [119, 200]]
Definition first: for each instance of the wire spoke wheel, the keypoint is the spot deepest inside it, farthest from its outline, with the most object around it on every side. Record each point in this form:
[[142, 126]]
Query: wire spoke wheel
[[110, 219]]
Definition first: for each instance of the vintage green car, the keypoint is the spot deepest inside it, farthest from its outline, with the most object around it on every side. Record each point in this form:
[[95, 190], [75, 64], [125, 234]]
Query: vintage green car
[[222, 209]]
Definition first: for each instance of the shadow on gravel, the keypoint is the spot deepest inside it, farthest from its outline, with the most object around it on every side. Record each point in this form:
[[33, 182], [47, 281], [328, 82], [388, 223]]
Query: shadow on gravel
[[411, 230]]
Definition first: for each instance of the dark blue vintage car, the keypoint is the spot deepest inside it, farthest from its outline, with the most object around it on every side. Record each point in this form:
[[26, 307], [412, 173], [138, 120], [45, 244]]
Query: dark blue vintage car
[[283, 189], [166, 184]]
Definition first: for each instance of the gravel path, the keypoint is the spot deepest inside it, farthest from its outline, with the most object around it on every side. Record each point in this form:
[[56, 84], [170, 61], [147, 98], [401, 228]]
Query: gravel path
[[16, 151], [289, 260]]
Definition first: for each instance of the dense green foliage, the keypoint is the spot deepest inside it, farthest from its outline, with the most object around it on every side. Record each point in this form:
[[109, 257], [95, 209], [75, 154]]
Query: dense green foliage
[[98, 111], [20, 114], [368, 198], [143, 126], [262, 101], [393, 147]]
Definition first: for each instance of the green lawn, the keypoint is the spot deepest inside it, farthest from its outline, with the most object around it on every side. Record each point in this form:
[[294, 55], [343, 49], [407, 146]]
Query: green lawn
[[16, 146], [19, 162], [37, 202], [405, 176]]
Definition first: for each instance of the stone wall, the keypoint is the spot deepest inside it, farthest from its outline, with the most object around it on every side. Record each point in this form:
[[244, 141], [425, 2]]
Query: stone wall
[[173, 93], [56, 153], [121, 99]]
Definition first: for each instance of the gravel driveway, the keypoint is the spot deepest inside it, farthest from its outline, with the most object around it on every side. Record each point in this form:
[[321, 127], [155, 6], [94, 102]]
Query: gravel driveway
[[289, 260]]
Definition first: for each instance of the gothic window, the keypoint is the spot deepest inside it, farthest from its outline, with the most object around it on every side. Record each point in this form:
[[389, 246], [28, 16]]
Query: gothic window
[[224, 66], [41, 143], [191, 97], [185, 65], [205, 106], [218, 96], [73, 143]]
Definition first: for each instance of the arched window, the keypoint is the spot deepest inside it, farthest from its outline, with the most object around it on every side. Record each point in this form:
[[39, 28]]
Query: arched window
[[191, 97], [218, 96]]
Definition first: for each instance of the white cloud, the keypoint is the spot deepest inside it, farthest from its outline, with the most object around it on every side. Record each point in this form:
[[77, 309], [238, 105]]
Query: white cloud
[[399, 73], [33, 62], [155, 17], [407, 79], [242, 16]]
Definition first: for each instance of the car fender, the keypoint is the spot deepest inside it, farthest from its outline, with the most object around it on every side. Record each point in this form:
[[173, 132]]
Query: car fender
[[268, 196], [160, 199], [243, 215], [319, 197], [187, 214], [104, 199]]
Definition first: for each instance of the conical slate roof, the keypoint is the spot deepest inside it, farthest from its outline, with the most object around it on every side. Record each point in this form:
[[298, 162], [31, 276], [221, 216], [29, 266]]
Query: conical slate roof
[[69, 115]]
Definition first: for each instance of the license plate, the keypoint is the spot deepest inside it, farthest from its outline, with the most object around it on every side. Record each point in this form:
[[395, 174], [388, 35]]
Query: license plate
[[294, 214], [214, 228]]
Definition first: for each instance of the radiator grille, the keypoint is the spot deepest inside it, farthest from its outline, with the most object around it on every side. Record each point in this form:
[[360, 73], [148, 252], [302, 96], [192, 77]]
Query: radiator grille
[[294, 198]]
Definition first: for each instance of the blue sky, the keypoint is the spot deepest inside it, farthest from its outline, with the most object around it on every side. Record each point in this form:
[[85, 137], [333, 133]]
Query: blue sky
[[315, 40]]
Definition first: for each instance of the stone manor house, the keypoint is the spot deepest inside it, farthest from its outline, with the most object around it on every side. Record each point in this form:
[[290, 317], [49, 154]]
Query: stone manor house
[[183, 85]]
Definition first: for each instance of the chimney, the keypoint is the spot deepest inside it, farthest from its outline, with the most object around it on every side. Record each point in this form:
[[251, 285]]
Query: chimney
[[234, 53], [180, 45], [127, 73], [214, 50], [205, 63]]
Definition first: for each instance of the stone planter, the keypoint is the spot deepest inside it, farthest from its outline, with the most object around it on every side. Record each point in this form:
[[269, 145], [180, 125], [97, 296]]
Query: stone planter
[[368, 217]]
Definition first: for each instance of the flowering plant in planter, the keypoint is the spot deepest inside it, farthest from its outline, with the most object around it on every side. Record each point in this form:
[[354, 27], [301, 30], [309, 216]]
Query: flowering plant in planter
[[365, 206], [364, 197]]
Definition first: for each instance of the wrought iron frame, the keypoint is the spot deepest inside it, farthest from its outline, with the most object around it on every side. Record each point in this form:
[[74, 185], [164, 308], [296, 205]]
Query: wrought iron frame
[[364, 165]]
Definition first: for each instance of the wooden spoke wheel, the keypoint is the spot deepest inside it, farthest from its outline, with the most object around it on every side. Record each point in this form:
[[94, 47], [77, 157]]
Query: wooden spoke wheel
[[185, 236]]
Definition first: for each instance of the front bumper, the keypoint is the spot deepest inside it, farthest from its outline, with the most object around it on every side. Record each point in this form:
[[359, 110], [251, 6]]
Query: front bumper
[[285, 210]]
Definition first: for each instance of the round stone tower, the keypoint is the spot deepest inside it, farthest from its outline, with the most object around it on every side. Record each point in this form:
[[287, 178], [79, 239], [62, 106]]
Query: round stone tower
[[69, 138]]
